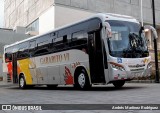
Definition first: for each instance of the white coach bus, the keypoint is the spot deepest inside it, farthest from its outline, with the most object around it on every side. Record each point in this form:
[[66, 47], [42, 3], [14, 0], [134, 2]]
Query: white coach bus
[[105, 48]]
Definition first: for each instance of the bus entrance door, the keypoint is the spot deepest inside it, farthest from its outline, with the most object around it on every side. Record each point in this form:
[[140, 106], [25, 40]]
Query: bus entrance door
[[14, 68], [96, 57]]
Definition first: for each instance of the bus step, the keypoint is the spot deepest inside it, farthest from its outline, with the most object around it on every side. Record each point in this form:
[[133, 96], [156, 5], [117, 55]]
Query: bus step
[[9, 78]]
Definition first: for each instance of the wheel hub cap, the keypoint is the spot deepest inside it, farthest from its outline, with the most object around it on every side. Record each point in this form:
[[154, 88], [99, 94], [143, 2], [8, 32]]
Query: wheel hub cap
[[21, 82], [81, 80]]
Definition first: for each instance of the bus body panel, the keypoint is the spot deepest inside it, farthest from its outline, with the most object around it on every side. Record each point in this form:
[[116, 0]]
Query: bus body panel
[[56, 68], [32, 68]]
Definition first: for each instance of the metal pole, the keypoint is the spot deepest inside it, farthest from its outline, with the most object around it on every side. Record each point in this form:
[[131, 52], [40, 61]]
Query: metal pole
[[142, 12], [155, 45]]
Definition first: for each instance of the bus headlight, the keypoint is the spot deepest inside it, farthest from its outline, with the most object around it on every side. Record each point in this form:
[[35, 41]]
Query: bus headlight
[[149, 65], [117, 66]]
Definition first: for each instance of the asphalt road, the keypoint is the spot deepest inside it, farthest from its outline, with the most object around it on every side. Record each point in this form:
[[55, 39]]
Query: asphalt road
[[131, 93]]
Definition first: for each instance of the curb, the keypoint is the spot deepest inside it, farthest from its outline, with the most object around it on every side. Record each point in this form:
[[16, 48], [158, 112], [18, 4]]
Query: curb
[[141, 81], [3, 84]]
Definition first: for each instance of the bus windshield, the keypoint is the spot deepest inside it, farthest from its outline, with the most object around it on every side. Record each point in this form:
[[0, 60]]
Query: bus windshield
[[126, 41]]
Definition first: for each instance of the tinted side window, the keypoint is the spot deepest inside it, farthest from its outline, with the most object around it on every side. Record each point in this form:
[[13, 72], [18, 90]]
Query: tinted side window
[[79, 38], [43, 41], [32, 46], [41, 52], [23, 50], [8, 57], [23, 46], [60, 43], [22, 55], [78, 35]]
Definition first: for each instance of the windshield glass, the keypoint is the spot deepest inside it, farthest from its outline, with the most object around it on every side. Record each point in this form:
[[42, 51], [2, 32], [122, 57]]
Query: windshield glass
[[125, 41]]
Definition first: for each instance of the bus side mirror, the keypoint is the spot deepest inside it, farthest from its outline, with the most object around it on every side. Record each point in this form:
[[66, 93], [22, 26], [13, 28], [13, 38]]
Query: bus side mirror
[[148, 27]]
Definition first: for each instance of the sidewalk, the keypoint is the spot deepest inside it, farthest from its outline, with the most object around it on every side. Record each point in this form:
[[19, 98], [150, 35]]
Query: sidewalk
[[141, 81], [5, 84]]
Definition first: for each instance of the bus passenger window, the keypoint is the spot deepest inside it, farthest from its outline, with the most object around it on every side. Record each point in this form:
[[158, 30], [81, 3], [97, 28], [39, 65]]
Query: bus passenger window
[[79, 38], [41, 52], [22, 55], [8, 57], [65, 39]]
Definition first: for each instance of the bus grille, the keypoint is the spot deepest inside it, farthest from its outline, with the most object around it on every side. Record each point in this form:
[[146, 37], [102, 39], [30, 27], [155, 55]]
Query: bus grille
[[138, 69]]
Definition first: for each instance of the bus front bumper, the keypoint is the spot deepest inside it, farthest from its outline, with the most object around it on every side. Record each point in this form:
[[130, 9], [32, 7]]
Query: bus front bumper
[[129, 75]]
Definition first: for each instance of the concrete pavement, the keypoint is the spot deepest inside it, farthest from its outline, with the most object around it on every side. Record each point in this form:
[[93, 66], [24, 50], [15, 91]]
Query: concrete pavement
[[131, 93]]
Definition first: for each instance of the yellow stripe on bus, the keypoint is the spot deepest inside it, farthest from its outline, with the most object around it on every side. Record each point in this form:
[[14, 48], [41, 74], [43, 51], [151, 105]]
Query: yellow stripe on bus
[[24, 68]]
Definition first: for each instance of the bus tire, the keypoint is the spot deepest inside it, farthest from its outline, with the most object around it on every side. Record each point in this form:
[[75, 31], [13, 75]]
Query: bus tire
[[118, 84], [52, 86], [22, 83], [82, 80]]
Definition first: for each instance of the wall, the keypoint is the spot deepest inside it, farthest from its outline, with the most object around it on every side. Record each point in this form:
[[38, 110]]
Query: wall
[[58, 16], [66, 15], [23, 12], [1, 13], [126, 7], [47, 20]]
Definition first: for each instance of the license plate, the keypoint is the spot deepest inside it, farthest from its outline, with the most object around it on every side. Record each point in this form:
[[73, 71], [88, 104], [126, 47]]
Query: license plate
[[137, 74]]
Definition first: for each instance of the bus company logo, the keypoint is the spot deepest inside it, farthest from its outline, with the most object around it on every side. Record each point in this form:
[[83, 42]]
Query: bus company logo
[[134, 43], [55, 58], [137, 66], [6, 107]]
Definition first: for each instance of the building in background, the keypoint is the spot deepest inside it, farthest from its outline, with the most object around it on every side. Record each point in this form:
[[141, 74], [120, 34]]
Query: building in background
[[43, 15], [1, 13]]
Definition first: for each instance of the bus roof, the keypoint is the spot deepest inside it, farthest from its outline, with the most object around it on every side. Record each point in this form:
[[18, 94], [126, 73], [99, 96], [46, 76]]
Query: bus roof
[[102, 16]]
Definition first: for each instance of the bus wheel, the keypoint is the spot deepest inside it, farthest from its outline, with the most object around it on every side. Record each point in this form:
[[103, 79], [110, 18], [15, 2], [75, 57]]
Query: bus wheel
[[22, 83], [118, 84], [52, 86], [82, 80]]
